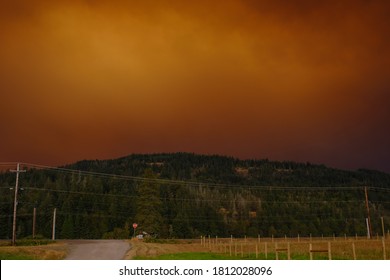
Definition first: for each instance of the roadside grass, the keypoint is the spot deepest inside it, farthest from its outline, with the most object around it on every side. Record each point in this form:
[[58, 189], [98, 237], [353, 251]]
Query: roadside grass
[[15, 256], [186, 256], [215, 256], [162, 241], [52, 251]]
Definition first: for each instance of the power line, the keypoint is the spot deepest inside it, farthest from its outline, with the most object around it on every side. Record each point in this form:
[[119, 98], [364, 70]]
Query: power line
[[81, 193], [276, 218], [8, 163], [187, 182], [199, 183], [207, 186], [195, 199]]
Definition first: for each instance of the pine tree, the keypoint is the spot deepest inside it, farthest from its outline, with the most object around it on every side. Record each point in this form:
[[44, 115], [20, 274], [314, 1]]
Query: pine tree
[[149, 206]]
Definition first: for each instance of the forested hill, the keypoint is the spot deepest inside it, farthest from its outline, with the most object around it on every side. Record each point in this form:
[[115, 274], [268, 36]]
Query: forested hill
[[229, 170], [185, 195]]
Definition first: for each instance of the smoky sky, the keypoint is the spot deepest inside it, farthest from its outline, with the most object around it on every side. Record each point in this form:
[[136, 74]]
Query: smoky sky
[[284, 80]]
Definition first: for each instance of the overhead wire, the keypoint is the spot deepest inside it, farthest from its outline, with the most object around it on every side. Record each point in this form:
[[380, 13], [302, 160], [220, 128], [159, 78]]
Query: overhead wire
[[195, 199], [188, 182], [199, 184]]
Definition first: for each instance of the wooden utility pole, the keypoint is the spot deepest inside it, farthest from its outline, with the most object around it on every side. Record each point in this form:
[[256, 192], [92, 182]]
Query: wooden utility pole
[[17, 171], [368, 214], [54, 224], [383, 228], [34, 220]]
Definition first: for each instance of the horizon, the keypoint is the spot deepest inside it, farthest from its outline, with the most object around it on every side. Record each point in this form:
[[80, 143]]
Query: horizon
[[63, 165]]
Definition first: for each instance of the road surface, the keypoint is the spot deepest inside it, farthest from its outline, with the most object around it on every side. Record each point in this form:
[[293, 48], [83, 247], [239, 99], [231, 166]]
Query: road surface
[[97, 249]]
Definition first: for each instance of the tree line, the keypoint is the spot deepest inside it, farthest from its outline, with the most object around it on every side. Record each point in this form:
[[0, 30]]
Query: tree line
[[185, 195]]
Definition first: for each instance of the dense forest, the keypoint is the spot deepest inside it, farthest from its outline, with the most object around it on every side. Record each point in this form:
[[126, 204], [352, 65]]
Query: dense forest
[[185, 195]]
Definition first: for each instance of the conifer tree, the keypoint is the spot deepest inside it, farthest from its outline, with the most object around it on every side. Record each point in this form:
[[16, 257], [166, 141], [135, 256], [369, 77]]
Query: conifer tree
[[149, 206]]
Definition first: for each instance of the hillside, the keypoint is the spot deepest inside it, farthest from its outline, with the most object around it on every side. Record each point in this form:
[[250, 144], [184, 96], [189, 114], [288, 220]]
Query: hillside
[[185, 195]]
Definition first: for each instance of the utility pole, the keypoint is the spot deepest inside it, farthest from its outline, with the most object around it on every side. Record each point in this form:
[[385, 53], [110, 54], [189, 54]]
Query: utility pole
[[383, 228], [54, 224], [368, 214], [17, 171], [34, 220]]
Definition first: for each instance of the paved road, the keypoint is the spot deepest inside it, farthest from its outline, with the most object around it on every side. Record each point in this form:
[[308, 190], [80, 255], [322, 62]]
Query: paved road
[[97, 249]]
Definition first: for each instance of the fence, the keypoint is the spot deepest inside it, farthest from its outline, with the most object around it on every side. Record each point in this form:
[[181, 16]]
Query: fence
[[353, 248]]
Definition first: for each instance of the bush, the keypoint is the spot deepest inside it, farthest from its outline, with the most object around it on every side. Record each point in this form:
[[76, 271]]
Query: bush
[[117, 233]]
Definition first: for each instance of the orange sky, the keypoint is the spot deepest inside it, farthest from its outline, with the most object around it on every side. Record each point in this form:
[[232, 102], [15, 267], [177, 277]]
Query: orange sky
[[284, 80]]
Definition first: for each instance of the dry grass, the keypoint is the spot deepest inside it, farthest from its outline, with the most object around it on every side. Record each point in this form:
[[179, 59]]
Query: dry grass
[[55, 251], [239, 248], [143, 249], [341, 249]]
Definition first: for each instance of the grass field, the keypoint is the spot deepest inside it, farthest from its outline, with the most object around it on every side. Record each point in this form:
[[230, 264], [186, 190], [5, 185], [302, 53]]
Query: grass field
[[271, 249], [223, 249]]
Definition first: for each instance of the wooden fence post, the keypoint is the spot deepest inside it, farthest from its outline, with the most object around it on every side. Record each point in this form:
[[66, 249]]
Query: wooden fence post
[[353, 250], [266, 250], [329, 251], [257, 252]]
